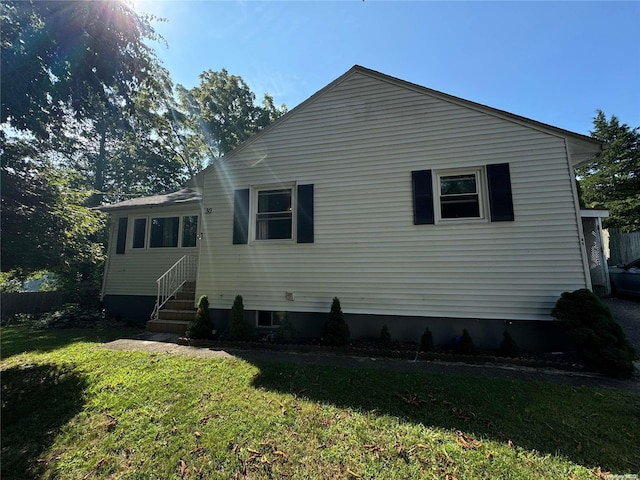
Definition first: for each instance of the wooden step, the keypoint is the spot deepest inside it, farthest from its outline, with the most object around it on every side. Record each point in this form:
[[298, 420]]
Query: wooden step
[[168, 326]]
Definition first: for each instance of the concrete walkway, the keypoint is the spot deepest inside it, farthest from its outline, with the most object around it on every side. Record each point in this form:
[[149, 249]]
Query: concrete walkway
[[166, 344]]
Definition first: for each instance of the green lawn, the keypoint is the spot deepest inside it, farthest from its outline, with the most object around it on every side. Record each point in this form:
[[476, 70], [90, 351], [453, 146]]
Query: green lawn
[[73, 410]]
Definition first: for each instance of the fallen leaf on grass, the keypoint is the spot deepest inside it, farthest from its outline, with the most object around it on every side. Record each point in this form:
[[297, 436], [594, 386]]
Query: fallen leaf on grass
[[197, 434], [183, 468], [465, 441], [352, 473], [375, 449], [281, 454], [111, 424], [600, 474], [411, 399], [101, 463]]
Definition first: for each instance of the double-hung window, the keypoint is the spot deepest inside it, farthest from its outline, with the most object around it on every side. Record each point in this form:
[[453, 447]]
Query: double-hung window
[[274, 214], [466, 194], [459, 194]]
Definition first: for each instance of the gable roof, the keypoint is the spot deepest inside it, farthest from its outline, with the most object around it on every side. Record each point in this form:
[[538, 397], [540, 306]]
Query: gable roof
[[581, 148], [185, 195]]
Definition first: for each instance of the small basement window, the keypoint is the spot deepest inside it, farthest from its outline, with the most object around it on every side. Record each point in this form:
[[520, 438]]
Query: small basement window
[[459, 194], [267, 319]]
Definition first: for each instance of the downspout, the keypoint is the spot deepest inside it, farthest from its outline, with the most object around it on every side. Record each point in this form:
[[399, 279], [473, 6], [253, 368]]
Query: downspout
[[576, 206]]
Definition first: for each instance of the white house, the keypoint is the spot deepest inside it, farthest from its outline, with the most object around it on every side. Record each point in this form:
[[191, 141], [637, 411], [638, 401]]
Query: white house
[[413, 207]]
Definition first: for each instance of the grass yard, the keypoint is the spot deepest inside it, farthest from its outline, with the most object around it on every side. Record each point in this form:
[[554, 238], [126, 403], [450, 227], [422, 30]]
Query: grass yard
[[73, 410]]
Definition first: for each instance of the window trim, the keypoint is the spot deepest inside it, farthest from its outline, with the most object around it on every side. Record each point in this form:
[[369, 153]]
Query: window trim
[[273, 314], [481, 190], [147, 233], [253, 211]]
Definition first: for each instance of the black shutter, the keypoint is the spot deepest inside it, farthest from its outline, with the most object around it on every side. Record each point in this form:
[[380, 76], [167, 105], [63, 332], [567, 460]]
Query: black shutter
[[500, 197], [122, 235], [241, 216], [305, 214], [422, 197]]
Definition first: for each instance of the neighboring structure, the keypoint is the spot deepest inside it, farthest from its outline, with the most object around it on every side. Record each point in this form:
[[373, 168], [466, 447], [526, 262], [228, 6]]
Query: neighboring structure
[[414, 207]]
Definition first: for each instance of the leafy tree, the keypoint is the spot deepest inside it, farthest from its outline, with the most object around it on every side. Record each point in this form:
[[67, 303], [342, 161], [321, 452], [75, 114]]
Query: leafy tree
[[613, 180], [73, 53], [44, 223], [222, 113]]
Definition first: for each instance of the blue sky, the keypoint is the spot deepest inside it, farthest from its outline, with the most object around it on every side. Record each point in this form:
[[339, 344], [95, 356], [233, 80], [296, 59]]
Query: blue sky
[[555, 62]]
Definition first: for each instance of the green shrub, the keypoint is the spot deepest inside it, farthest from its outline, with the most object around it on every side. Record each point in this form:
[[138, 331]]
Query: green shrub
[[336, 331], [600, 341], [202, 325], [508, 346], [238, 329], [385, 336], [426, 341], [465, 345], [286, 332]]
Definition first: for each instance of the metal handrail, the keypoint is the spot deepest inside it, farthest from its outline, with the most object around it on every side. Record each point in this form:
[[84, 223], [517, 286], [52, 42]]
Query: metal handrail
[[184, 270]]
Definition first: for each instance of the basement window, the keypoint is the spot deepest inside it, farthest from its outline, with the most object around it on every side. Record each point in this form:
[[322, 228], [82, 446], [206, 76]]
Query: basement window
[[266, 319]]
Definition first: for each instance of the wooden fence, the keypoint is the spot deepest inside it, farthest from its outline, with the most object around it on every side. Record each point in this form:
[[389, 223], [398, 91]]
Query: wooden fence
[[623, 247], [31, 302]]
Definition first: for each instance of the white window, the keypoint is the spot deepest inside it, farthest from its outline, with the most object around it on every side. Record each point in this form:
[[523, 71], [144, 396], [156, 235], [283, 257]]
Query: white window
[[273, 217], [459, 194]]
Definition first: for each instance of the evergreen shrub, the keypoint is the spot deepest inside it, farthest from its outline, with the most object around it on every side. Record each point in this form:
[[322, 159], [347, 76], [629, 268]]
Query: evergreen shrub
[[286, 332], [465, 345], [426, 341], [385, 336], [508, 346], [600, 341], [238, 329], [202, 325], [336, 331]]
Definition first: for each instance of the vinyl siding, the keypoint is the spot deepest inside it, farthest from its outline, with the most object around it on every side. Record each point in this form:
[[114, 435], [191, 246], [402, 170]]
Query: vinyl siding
[[358, 144], [135, 272]]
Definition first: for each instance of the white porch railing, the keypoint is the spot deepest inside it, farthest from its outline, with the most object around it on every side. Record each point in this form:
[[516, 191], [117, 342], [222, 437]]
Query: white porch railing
[[184, 270]]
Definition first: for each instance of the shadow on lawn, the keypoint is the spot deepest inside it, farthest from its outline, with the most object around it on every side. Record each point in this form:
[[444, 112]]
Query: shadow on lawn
[[557, 420], [36, 402]]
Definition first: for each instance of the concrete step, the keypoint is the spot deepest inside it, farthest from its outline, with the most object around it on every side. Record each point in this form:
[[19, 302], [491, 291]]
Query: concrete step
[[180, 315], [183, 304], [186, 296], [168, 326]]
